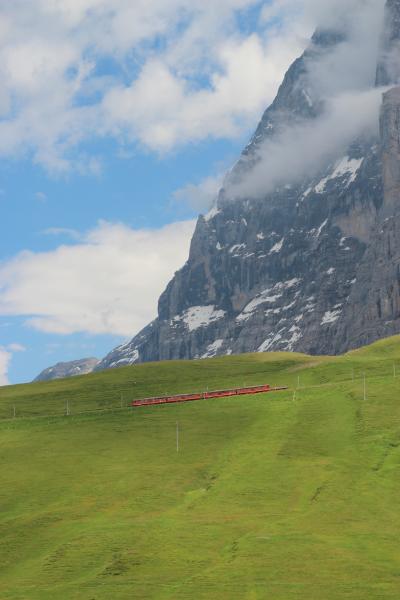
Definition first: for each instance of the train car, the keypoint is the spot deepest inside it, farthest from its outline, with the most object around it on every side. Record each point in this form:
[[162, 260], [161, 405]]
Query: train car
[[185, 398], [166, 399], [220, 393], [255, 389]]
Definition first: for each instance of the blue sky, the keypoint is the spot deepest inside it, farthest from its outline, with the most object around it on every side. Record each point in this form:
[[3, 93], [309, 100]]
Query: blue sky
[[116, 126], [42, 212]]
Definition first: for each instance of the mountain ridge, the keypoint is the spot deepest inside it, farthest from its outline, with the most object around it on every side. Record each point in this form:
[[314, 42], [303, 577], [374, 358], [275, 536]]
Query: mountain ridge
[[310, 265], [72, 368]]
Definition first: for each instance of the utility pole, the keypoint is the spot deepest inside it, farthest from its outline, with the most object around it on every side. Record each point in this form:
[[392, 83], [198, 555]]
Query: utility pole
[[177, 436], [67, 407], [294, 396]]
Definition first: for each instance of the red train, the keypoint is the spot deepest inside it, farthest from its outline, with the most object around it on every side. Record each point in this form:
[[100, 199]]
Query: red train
[[257, 389]]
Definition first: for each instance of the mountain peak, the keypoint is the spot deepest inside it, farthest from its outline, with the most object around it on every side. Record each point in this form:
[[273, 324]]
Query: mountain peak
[[327, 38], [68, 369]]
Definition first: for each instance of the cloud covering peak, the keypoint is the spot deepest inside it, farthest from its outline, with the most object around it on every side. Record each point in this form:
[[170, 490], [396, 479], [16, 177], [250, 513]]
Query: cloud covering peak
[[336, 83]]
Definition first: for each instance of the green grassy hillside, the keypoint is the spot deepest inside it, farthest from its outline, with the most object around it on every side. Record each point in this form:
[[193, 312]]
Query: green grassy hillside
[[273, 497]]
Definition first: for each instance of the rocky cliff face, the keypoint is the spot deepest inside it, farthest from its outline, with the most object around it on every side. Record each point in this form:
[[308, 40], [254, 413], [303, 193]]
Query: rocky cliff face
[[372, 309], [68, 369], [310, 266]]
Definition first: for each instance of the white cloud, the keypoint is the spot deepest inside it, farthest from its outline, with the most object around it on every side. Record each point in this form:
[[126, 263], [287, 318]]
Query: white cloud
[[200, 196], [41, 196], [6, 353], [306, 148], [15, 347], [330, 13], [183, 70], [163, 110], [107, 283], [63, 231], [205, 77], [5, 358]]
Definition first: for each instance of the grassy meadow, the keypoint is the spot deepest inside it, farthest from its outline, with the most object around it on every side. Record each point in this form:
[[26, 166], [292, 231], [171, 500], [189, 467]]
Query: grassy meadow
[[289, 495]]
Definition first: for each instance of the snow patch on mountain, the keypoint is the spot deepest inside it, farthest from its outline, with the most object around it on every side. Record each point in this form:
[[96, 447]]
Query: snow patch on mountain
[[236, 248], [212, 213], [213, 348], [200, 316], [331, 316], [268, 296], [345, 166], [128, 356], [277, 247]]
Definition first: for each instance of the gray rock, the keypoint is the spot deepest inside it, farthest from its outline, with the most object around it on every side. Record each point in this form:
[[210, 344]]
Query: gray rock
[[313, 266], [372, 310], [68, 369]]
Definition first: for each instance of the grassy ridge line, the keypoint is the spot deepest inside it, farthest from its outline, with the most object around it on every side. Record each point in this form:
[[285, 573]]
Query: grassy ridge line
[[357, 385], [104, 391]]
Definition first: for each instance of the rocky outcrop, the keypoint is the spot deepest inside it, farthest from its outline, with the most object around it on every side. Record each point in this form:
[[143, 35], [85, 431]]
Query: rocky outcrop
[[390, 143], [68, 369], [311, 266]]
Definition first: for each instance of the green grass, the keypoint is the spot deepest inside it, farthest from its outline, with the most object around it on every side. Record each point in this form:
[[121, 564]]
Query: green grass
[[268, 498]]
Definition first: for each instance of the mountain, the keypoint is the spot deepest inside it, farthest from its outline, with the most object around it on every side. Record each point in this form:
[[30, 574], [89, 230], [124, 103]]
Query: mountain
[[68, 369], [310, 264]]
